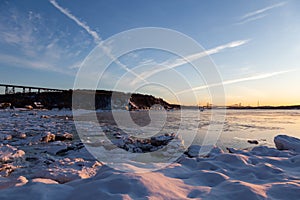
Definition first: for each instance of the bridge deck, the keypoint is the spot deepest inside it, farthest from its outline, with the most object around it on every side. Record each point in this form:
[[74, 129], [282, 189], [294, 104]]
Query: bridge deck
[[10, 89]]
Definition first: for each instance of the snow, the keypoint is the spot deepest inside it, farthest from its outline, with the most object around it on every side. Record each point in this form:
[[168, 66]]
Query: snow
[[284, 142], [10, 154], [223, 175], [33, 168]]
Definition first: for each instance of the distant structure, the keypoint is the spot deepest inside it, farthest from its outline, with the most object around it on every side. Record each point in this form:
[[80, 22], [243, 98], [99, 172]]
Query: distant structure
[[11, 89], [258, 103], [208, 105]]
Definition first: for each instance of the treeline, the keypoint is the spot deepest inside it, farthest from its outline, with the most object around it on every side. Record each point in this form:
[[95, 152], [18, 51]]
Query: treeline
[[265, 107], [85, 99]]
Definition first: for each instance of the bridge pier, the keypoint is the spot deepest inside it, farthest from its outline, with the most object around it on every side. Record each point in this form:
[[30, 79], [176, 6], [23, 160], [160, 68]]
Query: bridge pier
[[9, 91]]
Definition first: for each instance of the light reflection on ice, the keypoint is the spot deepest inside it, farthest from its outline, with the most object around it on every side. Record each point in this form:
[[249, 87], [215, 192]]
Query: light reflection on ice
[[261, 125]]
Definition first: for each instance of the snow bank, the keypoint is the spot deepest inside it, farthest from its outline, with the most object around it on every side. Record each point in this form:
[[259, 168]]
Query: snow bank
[[261, 173]]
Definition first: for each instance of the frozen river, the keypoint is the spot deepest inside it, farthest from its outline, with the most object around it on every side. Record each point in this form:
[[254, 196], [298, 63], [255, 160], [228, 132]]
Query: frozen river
[[262, 125], [237, 127], [231, 128]]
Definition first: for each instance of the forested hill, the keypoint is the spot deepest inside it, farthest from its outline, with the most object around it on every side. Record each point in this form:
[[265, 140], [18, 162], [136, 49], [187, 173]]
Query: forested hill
[[105, 100]]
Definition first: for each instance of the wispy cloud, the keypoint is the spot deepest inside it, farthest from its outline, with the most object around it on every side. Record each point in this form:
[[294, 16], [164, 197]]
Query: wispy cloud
[[169, 64], [66, 12], [258, 14], [32, 64], [239, 80], [35, 45]]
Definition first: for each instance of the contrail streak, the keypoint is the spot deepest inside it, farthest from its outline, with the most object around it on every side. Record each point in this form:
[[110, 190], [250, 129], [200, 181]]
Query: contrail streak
[[250, 78], [95, 36], [169, 64], [263, 10]]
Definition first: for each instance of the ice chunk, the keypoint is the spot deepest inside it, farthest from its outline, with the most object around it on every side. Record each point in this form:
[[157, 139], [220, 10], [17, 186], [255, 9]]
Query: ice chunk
[[284, 142]]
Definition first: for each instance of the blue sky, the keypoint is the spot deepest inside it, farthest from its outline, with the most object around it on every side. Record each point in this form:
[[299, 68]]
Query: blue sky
[[254, 44]]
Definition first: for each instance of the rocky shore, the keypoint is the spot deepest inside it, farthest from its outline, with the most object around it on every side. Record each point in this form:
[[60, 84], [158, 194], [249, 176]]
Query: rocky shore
[[42, 155], [44, 144]]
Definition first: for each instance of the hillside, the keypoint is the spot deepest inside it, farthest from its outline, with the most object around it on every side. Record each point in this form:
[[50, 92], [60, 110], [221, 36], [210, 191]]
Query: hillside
[[105, 100]]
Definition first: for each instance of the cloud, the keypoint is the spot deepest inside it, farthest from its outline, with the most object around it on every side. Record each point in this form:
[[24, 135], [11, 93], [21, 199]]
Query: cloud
[[29, 63], [258, 14], [260, 11], [17, 30], [169, 64], [252, 19], [147, 62], [66, 12], [239, 80], [222, 47], [37, 44]]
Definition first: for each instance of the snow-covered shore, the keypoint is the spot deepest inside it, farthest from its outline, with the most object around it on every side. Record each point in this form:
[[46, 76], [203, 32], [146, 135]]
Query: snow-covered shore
[[38, 160]]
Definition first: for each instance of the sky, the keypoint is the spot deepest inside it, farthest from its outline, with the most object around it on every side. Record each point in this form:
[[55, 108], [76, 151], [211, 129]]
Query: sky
[[254, 45]]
